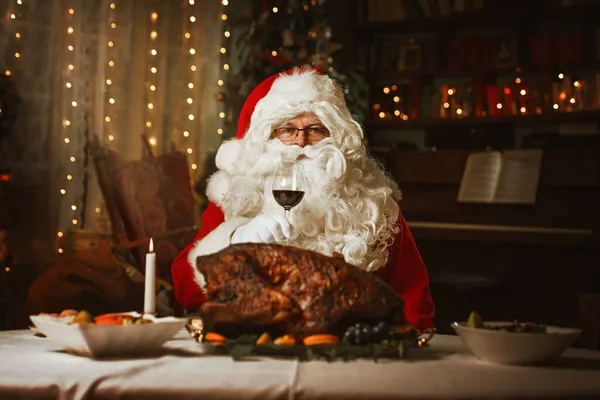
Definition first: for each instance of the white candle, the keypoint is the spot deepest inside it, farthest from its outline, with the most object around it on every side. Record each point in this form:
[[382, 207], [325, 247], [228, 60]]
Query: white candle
[[150, 283]]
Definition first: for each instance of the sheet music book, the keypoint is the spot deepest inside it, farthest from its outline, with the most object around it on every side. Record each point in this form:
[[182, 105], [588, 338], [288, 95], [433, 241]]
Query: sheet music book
[[509, 177]]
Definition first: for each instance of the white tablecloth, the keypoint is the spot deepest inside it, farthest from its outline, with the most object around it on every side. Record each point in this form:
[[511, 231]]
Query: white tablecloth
[[33, 367]]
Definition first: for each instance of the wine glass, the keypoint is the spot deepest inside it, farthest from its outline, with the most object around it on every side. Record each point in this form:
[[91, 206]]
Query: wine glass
[[289, 185]]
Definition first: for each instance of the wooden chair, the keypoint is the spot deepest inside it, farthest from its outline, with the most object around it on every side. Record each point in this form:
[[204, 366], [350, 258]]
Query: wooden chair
[[147, 198]]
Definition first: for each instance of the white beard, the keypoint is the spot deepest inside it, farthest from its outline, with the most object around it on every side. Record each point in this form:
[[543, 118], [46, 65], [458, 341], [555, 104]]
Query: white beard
[[323, 167], [348, 208]]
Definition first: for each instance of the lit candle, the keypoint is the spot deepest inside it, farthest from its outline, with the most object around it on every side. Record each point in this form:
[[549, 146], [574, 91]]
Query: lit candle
[[150, 287]]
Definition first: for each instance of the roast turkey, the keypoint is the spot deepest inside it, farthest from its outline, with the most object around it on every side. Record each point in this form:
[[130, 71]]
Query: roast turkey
[[294, 291]]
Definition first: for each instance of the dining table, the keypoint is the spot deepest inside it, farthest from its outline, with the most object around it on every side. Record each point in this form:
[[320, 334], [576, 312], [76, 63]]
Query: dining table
[[33, 367]]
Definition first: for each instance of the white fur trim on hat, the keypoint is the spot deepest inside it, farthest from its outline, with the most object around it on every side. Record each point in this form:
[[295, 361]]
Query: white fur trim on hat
[[295, 87], [227, 154], [298, 87], [215, 241], [291, 95]]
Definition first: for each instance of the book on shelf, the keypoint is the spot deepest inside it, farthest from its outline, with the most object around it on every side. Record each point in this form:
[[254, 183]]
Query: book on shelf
[[507, 177]]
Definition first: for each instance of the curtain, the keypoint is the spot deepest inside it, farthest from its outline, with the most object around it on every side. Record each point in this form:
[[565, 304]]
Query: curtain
[[111, 69]]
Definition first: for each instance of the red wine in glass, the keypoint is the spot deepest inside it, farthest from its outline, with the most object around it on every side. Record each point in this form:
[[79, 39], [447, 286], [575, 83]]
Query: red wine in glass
[[288, 186], [288, 198]]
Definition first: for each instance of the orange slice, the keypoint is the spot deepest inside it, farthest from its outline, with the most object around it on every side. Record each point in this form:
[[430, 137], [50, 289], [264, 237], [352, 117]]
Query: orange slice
[[285, 340], [321, 339], [112, 319], [264, 339], [214, 337], [107, 321]]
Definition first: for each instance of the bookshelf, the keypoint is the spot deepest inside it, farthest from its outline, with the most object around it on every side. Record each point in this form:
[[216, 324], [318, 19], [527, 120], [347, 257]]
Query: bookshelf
[[496, 58], [524, 120], [479, 63], [501, 14]]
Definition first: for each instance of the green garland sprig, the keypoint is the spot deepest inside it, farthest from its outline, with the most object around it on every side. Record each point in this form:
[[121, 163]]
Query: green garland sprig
[[245, 346]]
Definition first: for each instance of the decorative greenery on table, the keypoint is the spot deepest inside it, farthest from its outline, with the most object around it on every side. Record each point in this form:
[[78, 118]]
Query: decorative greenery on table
[[246, 346]]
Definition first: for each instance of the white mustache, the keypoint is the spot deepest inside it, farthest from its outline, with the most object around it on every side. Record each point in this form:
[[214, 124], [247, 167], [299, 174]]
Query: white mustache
[[325, 154]]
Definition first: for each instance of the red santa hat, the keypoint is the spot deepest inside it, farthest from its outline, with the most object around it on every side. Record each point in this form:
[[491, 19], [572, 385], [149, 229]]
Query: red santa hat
[[261, 92], [267, 103]]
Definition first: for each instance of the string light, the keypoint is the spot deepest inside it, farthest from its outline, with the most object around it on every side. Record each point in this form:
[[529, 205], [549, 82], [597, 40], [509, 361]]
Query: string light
[[109, 70], [109, 130], [190, 60], [17, 56], [151, 77], [390, 91], [14, 15], [223, 52], [68, 108]]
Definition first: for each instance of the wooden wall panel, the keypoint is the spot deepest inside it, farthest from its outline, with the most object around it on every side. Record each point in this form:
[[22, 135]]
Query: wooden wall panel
[[546, 255]]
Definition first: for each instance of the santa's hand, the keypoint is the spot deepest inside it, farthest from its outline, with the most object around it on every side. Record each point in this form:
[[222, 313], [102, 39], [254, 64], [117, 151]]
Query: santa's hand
[[265, 228]]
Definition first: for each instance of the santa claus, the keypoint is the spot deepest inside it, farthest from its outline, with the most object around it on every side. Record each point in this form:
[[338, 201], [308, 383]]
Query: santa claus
[[350, 208]]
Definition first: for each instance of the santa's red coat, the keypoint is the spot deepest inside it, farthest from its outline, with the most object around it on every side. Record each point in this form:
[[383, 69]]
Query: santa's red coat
[[404, 271]]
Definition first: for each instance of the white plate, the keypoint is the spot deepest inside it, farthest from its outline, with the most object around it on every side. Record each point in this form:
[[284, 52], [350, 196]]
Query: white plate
[[109, 340], [501, 347]]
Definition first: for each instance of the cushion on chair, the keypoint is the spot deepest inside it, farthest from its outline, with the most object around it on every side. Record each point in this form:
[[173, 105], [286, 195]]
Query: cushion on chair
[[154, 198], [175, 190], [94, 280]]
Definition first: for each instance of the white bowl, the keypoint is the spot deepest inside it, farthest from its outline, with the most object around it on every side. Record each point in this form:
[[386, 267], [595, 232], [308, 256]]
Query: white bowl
[[501, 347], [109, 340]]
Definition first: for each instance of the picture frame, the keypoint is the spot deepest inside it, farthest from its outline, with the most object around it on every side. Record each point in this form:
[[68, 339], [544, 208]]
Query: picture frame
[[410, 58], [506, 52]]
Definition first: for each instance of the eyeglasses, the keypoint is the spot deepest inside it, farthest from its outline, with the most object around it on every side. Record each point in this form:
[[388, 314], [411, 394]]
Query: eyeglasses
[[289, 134]]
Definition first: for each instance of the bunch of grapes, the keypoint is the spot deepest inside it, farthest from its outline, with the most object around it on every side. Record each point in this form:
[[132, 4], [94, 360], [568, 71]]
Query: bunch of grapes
[[362, 334]]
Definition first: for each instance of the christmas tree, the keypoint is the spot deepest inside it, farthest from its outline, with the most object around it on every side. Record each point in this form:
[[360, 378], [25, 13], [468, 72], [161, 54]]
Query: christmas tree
[[275, 36]]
